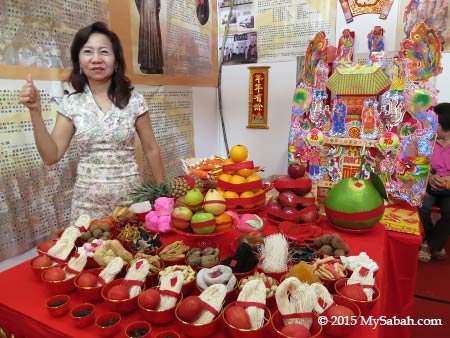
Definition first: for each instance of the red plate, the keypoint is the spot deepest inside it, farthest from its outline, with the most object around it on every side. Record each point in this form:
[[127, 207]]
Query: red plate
[[350, 231], [300, 232], [247, 211]]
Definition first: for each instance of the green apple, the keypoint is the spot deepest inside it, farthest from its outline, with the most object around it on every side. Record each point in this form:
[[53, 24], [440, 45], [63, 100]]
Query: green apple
[[194, 199], [354, 203], [181, 217], [203, 223]]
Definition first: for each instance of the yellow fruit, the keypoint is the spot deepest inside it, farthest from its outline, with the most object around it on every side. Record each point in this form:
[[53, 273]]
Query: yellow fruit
[[245, 171], [238, 153], [237, 179], [225, 177], [226, 162], [230, 194], [247, 194], [253, 178], [259, 192]]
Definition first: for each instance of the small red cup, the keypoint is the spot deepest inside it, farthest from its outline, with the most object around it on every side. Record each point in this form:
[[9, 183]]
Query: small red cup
[[108, 324], [58, 305], [277, 323], [138, 328], [83, 315]]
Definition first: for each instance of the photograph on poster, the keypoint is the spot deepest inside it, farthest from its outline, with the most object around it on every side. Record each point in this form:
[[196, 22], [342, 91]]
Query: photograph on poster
[[240, 49]]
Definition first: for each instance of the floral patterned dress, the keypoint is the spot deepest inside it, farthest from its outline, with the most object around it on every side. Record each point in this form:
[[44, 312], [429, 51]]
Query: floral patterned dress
[[107, 170]]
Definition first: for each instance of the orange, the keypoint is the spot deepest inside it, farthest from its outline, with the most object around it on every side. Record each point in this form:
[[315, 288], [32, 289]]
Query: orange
[[237, 179], [259, 192], [230, 194], [253, 178], [225, 177], [223, 222], [238, 153], [245, 172], [228, 161], [247, 194]]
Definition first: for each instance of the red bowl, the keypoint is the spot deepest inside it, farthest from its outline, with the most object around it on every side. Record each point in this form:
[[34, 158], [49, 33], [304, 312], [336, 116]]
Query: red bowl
[[37, 270], [91, 263], [329, 283], [85, 319], [139, 325], [43, 247], [59, 287], [188, 287], [178, 261], [167, 334], [270, 300], [248, 333], [197, 330], [159, 316], [229, 296], [89, 293], [58, 305], [277, 323], [240, 275], [342, 330], [121, 306], [103, 328], [365, 306]]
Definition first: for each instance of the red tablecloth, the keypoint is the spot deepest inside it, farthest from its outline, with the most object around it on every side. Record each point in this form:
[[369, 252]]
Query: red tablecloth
[[22, 298]]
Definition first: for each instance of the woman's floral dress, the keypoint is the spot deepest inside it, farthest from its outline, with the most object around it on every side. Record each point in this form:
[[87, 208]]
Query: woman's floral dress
[[107, 170]]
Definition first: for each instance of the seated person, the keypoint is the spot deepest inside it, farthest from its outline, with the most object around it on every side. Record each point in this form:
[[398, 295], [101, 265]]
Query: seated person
[[438, 193]]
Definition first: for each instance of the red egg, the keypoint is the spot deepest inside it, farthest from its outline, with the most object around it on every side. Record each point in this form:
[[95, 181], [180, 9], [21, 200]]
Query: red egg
[[237, 317], [45, 246], [55, 274], [87, 279], [339, 311], [118, 292], [296, 331], [190, 308], [354, 292], [150, 299], [41, 261]]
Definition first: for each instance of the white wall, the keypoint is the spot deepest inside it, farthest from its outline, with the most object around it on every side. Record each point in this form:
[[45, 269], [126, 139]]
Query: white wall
[[268, 147]]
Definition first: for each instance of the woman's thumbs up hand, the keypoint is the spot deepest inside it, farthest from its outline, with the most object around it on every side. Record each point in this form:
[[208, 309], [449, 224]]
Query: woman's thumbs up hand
[[29, 96]]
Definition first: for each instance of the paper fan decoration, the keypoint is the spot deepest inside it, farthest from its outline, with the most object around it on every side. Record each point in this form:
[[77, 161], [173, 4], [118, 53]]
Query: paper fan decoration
[[423, 50], [302, 99], [419, 98]]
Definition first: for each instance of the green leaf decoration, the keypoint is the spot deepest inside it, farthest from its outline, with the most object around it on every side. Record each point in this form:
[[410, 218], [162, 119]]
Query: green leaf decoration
[[254, 224], [378, 184]]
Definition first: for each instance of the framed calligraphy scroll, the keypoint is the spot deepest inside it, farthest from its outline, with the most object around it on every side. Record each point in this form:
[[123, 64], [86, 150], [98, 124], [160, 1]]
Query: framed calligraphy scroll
[[257, 98]]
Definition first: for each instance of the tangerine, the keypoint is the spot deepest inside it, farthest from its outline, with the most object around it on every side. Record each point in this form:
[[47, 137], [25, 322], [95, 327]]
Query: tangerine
[[230, 194], [263, 200], [226, 162], [237, 179], [253, 178], [225, 177], [238, 153], [247, 194], [245, 171]]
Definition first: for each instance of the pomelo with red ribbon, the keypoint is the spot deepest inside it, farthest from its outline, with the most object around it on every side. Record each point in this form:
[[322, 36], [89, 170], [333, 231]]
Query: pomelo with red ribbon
[[355, 204]]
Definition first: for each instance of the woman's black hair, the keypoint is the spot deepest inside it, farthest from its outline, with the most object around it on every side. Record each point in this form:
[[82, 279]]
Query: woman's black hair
[[120, 89], [443, 113]]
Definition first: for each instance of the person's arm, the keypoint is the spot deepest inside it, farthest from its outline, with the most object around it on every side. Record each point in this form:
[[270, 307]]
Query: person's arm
[[150, 146], [52, 147]]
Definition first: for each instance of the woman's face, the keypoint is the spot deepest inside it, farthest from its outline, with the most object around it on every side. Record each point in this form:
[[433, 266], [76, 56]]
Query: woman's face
[[97, 58]]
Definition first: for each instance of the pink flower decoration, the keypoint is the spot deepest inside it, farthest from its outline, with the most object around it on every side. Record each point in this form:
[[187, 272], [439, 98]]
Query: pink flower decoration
[[164, 206]]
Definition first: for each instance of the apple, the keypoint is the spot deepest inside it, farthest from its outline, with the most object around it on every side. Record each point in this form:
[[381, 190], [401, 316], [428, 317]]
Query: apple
[[282, 183], [181, 217], [307, 204], [203, 223], [309, 214], [289, 211], [296, 170], [303, 186], [286, 199], [194, 199], [354, 203]]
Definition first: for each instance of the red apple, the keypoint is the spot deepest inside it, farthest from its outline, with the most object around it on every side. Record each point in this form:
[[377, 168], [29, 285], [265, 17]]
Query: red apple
[[281, 183], [286, 199], [309, 214], [304, 187], [296, 170]]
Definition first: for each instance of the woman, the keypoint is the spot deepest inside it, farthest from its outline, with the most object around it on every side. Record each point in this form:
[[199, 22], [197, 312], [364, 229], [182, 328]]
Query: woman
[[438, 193], [101, 116]]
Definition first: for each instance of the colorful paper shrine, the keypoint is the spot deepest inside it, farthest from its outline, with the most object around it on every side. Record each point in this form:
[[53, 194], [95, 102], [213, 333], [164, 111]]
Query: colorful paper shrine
[[342, 111]]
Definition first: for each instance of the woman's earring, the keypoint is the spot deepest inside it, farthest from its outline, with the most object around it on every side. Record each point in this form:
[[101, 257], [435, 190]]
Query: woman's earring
[[81, 71], [116, 68]]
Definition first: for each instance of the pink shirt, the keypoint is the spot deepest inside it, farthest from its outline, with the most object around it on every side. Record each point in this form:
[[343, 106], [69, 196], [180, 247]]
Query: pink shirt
[[440, 160]]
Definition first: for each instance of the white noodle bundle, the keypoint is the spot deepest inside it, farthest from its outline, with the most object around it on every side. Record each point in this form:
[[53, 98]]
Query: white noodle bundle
[[110, 271], [76, 264], [212, 297], [219, 274], [253, 291], [274, 253], [364, 277], [170, 285], [136, 275], [65, 244], [293, 298], [322, 297]]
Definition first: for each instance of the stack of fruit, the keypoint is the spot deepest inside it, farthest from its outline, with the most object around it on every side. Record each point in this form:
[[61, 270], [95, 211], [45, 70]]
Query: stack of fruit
[[295, 201], [241, 186], [202, 214]]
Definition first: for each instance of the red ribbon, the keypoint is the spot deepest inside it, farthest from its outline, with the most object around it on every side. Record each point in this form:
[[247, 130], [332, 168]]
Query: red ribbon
[[247, 304], [356, 216], [209, 308], [101, 281], [363, 271], [298, 315], [203, 224], [168, 293]]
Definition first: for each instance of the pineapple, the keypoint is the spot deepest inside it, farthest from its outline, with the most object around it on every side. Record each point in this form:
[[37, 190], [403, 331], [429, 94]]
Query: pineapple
[[180, 185], [149, 192]]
